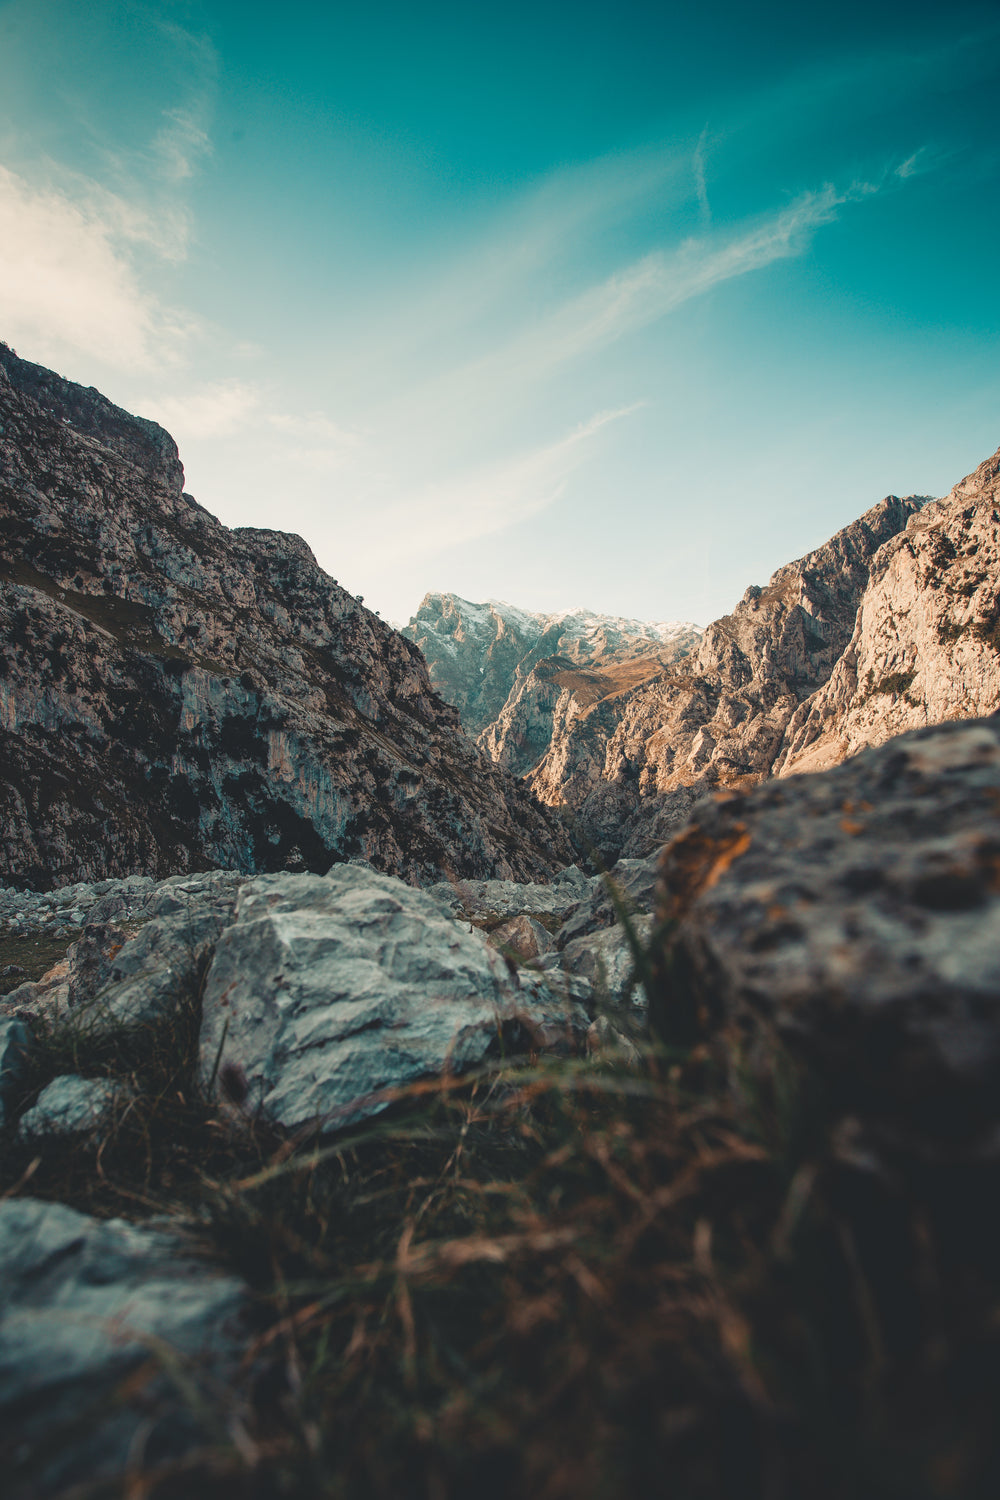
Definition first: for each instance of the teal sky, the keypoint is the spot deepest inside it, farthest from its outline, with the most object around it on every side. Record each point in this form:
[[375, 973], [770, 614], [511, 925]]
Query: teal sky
[[618, 306]]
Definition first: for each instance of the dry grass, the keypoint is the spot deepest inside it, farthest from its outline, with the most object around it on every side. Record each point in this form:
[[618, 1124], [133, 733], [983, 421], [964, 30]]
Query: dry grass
[[573, 1281]]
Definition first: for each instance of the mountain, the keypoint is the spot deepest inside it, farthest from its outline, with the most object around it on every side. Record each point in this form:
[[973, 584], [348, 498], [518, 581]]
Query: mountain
[[176, 695], [926, 641], [504, 668], [627, 738]]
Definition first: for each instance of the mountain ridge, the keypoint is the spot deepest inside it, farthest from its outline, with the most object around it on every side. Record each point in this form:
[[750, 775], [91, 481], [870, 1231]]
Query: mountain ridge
[[177, 695]]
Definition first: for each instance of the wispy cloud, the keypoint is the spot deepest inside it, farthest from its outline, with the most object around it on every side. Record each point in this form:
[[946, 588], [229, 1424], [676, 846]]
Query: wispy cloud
[[700, 185], [218, 409], [630, 299], [483, 501], [68, 283]]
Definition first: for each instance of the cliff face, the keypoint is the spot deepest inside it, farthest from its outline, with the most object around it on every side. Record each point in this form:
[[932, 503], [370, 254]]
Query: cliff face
[[176, 695], [627, 729], [630, 763], [926, 642], [505, 668]]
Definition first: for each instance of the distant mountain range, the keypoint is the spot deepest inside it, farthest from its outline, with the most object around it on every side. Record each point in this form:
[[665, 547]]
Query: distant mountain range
[[891, 625]]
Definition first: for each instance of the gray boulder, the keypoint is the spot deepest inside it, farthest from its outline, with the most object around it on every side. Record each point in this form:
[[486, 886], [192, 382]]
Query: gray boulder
[[71, 1105], [634, 882], [522, 937], [85, 1308], [604, 959], [326, 993], [479, 900], [856, 912], [146, 979]]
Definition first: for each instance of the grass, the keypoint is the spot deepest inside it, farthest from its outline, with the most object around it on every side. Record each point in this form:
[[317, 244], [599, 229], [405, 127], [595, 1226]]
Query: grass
[[32, 955], [566, 1278]]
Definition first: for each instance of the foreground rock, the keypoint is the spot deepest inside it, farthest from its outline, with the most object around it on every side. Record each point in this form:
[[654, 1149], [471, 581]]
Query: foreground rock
[[92, 1316], [857, 913], [318, 995], [71, 1105], [179, 696], [324, 995]]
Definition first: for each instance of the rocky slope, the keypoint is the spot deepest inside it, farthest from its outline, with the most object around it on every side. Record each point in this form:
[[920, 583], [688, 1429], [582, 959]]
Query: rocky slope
[[630, 763], [495, 663], [627, 735], [926, 642], [891, 625], [175, 695]]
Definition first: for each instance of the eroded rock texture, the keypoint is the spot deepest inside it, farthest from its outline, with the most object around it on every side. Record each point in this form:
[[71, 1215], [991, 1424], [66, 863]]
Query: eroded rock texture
[[926, 643], [505, 669], [176, 695], [856, 914], [92, 1317], [627, 732]]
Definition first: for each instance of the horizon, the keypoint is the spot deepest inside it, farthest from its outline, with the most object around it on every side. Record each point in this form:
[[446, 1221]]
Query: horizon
[[634, 311]]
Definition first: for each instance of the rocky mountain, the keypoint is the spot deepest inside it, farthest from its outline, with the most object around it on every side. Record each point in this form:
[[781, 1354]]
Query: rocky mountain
[[506, 669], [926, 642], [176, 695], [627, 737]]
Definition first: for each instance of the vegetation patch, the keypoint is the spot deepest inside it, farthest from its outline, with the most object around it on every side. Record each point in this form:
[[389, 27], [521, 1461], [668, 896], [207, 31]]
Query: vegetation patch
[[894, 684], [30, 956]]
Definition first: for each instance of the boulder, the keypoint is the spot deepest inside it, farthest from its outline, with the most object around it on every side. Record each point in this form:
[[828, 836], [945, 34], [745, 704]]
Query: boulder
[[143, 981], [327, 993], [604, 959], [71, 1105], [634, 882], [92, 1316], [856, 913], [522, 937]]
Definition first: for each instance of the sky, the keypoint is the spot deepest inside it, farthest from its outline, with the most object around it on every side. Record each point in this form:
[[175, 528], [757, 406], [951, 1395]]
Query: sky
[[616, 306]]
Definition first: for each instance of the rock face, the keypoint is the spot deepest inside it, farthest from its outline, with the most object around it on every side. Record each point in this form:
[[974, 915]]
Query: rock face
[[176, 695], [857, 914], [630, 764], [926, 643], [504, 668], [85, 1305], [890, 625], [318, 994], [324, 995]]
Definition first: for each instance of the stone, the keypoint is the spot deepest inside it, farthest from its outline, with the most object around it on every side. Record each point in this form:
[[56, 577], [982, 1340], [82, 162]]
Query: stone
[[521, 936], [326, 994], [856, 914], [85, 1307], [71, 1105], [634, 882], [147, 979], [604, 958]]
